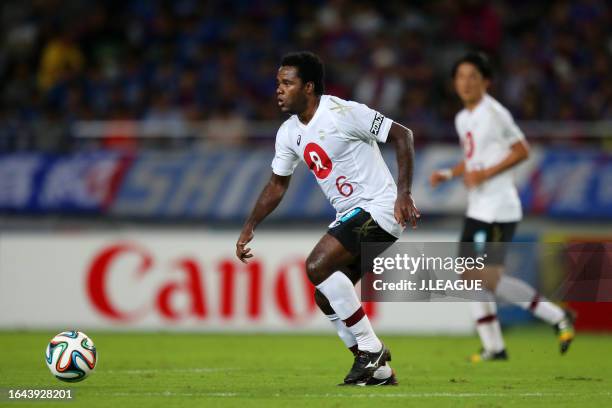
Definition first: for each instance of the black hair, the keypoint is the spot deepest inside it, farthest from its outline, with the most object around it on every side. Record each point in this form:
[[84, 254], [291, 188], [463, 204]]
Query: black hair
[[309, 68], [479, 60]]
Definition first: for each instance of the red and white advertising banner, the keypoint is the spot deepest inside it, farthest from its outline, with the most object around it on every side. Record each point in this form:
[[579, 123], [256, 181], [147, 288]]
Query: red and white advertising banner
[[160, 280]]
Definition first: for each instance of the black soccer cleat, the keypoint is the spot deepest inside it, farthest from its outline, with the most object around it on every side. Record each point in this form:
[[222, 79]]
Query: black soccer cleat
[[565, 331], [485, 355], [365, 364]]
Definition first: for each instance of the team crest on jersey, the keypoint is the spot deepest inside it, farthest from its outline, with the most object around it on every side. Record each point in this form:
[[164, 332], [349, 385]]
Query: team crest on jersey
[[317, 160], [376, 123]]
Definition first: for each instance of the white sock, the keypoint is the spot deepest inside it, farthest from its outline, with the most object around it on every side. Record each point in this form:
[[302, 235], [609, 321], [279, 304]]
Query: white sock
[[349, 340], [515, 291], [548, 311], [487, 325], [339, 290], [518, 292], [366, 338], [344, 333]]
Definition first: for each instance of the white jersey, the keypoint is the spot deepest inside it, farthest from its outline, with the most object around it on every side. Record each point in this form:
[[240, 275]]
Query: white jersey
[[339, 145], [486, 134]]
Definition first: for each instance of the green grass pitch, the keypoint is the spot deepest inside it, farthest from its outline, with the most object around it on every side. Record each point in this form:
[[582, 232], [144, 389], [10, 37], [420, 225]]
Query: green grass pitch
[[204, 370]]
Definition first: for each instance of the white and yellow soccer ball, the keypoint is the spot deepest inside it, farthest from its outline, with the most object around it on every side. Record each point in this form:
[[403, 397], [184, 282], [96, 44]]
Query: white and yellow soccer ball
[[71, 356]]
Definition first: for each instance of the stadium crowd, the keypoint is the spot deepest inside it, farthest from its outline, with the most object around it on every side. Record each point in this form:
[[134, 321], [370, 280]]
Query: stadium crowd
[[187, 61]]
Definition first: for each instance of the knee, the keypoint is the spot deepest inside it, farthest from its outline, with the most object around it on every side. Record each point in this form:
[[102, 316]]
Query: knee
[[315, 271]]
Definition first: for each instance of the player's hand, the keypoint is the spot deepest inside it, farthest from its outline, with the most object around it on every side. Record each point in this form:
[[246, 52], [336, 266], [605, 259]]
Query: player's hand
[[242, 252], [474, 178], [405, 210], [439, 176]]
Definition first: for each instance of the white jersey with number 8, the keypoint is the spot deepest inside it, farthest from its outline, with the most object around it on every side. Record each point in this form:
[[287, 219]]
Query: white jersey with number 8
[[486, 134], [339, 145]]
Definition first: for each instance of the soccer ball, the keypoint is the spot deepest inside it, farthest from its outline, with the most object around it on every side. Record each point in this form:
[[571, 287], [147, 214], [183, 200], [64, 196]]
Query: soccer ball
[[71, 356]]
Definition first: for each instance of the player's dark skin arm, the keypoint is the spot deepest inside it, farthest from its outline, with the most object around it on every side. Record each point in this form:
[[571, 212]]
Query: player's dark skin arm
[[401, 138], [268, 200]]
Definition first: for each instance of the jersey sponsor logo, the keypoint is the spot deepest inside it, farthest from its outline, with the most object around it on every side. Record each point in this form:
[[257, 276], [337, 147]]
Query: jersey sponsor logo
[[376, 123], [317, 160]]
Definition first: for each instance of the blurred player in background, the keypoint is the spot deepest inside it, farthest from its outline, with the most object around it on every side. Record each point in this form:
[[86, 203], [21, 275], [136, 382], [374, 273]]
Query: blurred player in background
[[337, 140], [493, 145]]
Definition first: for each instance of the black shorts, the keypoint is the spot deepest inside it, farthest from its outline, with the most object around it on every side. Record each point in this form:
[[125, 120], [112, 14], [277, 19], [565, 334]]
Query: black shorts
[[488, 238], [358, 226]]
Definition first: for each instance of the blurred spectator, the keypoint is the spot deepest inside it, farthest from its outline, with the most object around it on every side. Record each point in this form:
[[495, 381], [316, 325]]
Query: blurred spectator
[[477, 23], [163, 118], [170, 63], [225, 127], [61, 58], [381, 88]]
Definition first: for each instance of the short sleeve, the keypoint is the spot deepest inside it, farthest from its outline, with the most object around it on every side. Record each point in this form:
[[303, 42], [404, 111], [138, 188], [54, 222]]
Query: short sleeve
[[285, 159], [357, 120], [511, 133], [458, 126]]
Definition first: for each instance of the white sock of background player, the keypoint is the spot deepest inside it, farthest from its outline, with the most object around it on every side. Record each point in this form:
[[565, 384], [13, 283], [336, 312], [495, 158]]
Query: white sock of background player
[[518, 292], [487, 325]]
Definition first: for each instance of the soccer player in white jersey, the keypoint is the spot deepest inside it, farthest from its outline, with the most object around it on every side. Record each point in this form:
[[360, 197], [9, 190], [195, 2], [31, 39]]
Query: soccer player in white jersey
[[493, 145], [337, 140]]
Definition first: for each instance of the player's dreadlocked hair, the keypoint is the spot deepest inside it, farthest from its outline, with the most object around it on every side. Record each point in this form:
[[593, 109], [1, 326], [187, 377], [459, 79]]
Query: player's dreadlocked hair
[[479, 60], [309, 68]]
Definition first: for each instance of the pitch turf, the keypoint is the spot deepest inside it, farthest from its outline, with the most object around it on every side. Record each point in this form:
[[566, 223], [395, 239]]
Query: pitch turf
[[189, 370]]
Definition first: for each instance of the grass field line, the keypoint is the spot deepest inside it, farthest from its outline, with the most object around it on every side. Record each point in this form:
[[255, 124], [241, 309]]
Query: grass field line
[[357, 395], [172, 370]]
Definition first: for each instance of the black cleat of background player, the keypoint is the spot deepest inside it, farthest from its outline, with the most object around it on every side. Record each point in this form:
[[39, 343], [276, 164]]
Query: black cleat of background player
[[565, 330]]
